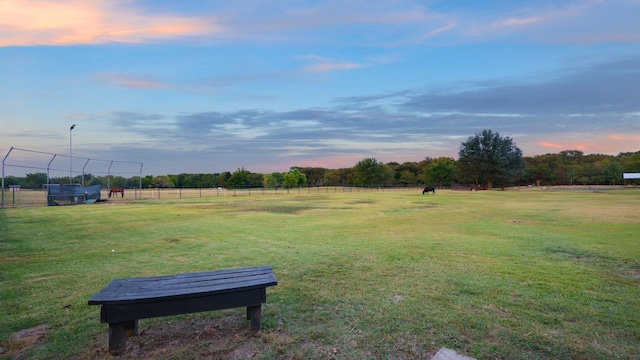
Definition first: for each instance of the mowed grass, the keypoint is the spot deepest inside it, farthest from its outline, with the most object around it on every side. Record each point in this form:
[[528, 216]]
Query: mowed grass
[[380, 275]]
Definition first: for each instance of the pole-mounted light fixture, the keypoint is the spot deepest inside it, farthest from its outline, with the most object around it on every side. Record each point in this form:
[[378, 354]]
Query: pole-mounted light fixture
[[70, 155]]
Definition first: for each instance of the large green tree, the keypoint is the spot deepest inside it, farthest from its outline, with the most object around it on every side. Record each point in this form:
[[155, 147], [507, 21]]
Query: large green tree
[[370, 172], [239, 179], [440, 171], [488, 157]]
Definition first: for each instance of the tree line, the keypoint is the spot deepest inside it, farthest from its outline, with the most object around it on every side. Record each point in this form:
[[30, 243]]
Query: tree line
[[486, 158]]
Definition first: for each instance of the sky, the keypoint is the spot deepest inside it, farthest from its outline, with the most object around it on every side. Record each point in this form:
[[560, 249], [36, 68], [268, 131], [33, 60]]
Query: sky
[[167, 87]]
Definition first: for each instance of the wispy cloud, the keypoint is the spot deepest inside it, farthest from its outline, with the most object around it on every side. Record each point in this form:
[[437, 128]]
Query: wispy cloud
[[127, 81], [322, 64], [36, 22], [591, 21]]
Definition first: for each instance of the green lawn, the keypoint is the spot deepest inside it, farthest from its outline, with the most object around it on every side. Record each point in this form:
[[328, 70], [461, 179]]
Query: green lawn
[[514, 274]]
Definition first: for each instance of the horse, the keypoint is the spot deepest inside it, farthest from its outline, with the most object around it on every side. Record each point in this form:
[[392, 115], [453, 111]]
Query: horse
[[116, 190], [429, 189]]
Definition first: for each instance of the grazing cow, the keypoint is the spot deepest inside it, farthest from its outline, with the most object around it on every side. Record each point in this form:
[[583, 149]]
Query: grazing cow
[[429, 189]]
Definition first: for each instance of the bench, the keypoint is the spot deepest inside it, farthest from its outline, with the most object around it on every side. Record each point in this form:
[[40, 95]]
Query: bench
[[125, 301]]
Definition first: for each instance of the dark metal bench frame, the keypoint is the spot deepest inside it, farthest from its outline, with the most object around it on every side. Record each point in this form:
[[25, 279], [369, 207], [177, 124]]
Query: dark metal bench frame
[[125, 301]]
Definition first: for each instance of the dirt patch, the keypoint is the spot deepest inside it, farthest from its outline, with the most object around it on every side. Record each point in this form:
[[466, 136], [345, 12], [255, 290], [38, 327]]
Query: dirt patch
[[198, 338], [24, 340]]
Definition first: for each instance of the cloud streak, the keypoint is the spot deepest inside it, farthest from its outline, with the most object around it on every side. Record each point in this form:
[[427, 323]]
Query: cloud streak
[[126, 81], [35, 22]]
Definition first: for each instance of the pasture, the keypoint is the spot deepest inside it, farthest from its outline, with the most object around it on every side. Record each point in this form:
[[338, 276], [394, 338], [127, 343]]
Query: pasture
[[378, 275]]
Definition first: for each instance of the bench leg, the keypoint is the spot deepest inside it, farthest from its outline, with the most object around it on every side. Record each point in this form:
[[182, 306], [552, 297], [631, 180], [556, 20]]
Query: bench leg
[[117, 337], [132, 328], [254, 314], [118, 333]]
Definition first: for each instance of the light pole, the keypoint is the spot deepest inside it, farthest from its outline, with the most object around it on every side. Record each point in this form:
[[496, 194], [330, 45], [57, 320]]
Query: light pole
[[70, 155]]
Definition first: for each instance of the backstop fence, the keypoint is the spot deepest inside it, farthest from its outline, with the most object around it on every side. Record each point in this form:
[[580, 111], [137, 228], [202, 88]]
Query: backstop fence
[[55, 166]]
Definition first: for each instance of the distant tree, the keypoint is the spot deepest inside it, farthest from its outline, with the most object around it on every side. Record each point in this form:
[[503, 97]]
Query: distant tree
[[613, 172], [158, 181], [393, 165], [273, 180], [314, 175], [440, 171], [256, 180], [630, 162], [239, 179], [406, 178], [294, 178], [147, 181], [193, 181], [36, 180], [12, 180], [86, 178], [489, 157], [405, 174], [222, 178], [538, 169], [572, 156], [96, 180], [538, 172], [177, 180], [372, 173], [338, 177], [573, 173], [119, 181], [209, 180]]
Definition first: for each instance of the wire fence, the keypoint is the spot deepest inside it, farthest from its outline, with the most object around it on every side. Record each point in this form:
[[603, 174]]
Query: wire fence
[[16, 197]]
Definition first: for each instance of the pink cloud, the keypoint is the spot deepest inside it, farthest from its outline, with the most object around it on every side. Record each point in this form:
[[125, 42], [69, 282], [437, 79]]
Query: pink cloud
[[599, 144], [551, 145], [38, 22]]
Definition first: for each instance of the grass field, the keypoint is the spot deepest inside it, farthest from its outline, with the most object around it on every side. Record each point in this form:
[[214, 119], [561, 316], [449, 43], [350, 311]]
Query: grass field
[[380, 275]]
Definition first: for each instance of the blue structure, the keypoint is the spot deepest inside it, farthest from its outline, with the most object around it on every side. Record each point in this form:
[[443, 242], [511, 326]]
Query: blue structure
[[67, 194]]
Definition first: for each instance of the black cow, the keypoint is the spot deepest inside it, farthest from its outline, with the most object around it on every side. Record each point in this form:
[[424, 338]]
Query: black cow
[[429, 189]]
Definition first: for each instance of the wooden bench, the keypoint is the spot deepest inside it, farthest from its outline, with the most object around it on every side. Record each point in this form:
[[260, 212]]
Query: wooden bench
[[125, 301]]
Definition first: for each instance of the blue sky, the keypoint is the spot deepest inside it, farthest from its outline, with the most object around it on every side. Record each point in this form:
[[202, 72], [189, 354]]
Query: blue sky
[[213, 86]]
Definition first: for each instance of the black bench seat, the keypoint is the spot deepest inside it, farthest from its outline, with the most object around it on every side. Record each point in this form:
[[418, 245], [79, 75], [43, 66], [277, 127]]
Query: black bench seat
[[125, 301]]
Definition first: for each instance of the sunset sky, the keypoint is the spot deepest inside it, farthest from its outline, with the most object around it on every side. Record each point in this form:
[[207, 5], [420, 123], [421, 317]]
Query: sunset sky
[[213, 86]]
